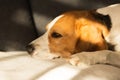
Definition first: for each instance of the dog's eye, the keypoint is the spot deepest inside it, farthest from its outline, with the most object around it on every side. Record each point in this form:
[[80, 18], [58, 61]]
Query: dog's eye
[[56, 35]]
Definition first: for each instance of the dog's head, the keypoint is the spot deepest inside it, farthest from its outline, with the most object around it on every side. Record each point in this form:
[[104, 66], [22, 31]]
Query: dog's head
[[70, 33]]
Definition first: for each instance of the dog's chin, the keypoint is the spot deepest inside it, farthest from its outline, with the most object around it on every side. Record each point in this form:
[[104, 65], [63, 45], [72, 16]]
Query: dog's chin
[[44, 55]]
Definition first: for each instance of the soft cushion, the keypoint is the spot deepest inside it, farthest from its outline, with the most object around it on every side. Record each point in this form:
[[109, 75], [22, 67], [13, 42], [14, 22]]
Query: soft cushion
[[21, 66]]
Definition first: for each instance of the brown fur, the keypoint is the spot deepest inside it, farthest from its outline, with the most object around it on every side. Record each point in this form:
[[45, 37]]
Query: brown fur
[[80, 32]]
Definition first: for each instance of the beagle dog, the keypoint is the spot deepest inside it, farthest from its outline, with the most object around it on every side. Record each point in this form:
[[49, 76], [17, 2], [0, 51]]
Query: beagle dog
[[71, 33]]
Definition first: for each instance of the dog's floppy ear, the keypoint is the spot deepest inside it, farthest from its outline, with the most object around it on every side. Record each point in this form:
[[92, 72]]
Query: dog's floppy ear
[[91, 34], [102, 18]]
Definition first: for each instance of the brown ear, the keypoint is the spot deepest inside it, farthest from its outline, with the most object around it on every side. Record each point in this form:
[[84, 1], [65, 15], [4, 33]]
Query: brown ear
[[91, 34]]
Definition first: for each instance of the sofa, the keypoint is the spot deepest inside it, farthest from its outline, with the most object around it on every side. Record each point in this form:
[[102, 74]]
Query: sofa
[[22, 21]]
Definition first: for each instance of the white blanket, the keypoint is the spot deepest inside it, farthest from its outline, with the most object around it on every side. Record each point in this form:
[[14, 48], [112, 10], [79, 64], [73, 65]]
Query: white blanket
[[21, 66]]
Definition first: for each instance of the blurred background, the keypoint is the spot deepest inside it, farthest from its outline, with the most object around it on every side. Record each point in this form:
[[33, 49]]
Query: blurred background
[[22, 21]]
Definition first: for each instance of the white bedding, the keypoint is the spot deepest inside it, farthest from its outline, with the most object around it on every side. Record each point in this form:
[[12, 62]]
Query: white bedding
[[21, 66]]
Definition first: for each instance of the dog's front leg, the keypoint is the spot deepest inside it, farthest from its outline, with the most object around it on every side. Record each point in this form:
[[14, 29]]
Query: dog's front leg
[[101, 57]]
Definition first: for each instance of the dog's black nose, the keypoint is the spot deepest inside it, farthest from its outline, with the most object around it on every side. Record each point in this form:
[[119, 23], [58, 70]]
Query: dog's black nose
[[30, 48]]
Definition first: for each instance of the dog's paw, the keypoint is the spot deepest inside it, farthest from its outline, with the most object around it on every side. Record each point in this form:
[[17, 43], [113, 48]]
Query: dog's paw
[[90, 58], [74, 60], [78, 60]]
